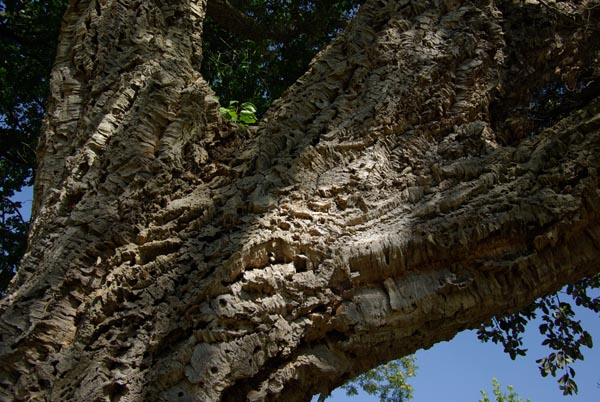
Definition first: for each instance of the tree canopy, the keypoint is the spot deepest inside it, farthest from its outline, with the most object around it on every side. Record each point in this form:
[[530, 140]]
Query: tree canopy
[[28, 37], [500, 396]]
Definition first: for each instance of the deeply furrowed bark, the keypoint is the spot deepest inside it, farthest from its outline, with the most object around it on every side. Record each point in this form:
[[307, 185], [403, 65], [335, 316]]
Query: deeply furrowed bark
[[394, 196]]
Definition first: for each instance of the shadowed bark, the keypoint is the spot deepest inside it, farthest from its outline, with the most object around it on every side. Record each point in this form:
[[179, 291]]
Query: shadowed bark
[[395, 195]]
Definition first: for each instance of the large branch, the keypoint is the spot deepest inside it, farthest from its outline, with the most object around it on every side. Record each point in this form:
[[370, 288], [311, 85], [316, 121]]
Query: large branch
[[373, 213]]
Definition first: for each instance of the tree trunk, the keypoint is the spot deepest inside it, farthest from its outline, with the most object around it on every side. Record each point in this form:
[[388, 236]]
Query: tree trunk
[[395, 195]]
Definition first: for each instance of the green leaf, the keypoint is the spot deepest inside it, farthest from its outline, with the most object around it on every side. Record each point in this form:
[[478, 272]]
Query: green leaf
[[248, 107], [247, 117], [229, 114], [387, 381]]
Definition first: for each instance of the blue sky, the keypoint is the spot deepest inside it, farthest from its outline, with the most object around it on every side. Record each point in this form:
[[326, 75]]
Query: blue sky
[[457, 370]]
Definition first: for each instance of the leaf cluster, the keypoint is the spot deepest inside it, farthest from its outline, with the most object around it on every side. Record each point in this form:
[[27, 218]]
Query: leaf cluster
[[28, 37], [557, 99], [244, 114], [500, 396], [258, 66], [563, 333], [388, 381]]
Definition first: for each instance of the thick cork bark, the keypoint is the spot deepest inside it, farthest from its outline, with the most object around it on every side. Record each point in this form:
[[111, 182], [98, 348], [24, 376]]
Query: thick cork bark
[[394, 196]]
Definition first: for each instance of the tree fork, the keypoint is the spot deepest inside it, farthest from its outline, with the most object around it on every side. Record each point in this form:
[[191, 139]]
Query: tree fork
[[382, 204]]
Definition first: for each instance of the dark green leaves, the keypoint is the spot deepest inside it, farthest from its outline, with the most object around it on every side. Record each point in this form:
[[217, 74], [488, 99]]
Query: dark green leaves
[[13, 237], [508, 331], [563, 333], [28, 35], [260, 65]]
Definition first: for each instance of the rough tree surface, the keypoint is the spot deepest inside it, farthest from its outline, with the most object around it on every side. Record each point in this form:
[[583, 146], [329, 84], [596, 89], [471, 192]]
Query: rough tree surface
[[396, 194]]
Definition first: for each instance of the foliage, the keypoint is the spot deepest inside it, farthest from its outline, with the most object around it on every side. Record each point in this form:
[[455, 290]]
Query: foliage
[[388, 381], [557, 99], [13, 232], [244, 114], [500, 396], [563, 334], [260, 68], [28, 36]]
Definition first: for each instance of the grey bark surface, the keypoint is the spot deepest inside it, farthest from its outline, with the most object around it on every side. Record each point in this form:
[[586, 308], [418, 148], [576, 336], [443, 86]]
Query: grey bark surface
[[392, 197]]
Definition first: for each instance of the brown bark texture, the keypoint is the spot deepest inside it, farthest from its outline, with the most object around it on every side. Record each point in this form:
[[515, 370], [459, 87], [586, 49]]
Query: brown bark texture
[[395, 195]]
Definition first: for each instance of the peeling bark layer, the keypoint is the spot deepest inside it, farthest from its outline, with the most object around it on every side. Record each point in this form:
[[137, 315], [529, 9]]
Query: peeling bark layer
[[394, 196]]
